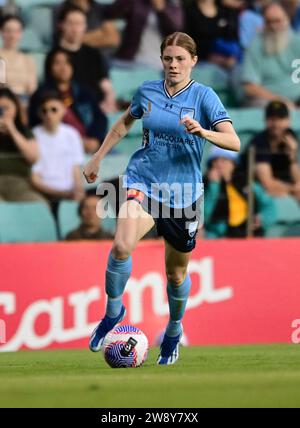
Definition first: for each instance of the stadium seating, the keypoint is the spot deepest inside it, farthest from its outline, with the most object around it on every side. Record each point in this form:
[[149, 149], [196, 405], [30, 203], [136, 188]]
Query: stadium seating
[[68, 218], [39, 60], [126, 81], [30, 3], [288, 218], [40, 19], [26, 222], [31, 41]]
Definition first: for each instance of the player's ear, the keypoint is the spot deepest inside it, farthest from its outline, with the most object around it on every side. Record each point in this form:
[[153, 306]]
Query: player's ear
[[195, 60]]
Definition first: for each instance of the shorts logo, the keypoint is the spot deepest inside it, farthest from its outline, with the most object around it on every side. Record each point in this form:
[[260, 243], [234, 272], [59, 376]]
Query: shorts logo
[[193, 228], [187, 112]]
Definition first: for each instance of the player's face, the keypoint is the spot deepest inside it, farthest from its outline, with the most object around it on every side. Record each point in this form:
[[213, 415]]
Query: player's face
[[178, 64]]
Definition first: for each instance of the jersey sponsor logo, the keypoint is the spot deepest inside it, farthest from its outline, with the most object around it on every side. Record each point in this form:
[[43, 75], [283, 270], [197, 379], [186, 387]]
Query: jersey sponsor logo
[[187, 112], [169, 106], [174, 139]]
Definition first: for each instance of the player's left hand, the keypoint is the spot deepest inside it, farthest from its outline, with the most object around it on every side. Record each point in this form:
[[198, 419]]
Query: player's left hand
[[193, 127]]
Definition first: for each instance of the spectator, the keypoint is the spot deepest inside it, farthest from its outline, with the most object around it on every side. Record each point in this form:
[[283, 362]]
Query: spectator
[[251, 22], [206, 21], [90, 227], [226, 204], [18, 151], [21, 75], [147, 22], [267, 69], [101, 33], [90, 69], [82, 111], [293, 10], [57, 174], [276, 153]]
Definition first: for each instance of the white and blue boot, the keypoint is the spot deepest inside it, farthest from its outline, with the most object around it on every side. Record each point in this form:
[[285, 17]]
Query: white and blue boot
[[169, 350], [104, 327]]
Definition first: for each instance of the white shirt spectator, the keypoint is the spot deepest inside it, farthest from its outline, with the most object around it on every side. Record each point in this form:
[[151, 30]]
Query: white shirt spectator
[[59, 154]]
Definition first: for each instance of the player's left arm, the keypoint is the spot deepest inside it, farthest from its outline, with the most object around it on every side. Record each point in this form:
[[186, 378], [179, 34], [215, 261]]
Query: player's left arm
[[223, 136]]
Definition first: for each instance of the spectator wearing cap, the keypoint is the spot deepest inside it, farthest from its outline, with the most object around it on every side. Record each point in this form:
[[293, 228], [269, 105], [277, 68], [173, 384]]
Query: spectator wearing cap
[[90, 227], [266, 74], [57, 174], [21, 74], [226, 202], [276, 150]]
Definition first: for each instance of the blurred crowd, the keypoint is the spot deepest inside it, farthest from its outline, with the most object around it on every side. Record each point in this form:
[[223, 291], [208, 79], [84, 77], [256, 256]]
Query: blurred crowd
[[49, 126]]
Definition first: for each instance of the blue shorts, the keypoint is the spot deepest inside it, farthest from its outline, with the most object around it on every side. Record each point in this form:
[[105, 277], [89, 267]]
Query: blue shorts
[[178, 226]]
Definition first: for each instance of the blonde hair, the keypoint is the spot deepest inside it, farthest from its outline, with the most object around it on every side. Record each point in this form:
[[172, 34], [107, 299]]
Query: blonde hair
[[180, 39]]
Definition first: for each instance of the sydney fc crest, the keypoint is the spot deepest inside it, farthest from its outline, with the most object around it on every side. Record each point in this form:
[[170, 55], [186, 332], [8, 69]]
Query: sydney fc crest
[[187, 112]]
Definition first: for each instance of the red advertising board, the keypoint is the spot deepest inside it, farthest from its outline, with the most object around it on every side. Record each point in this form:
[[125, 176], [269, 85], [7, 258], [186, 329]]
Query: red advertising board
[[244, 291]]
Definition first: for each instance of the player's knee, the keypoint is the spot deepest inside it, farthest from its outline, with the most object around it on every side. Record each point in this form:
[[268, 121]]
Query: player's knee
[[176, 276], [122, 249]]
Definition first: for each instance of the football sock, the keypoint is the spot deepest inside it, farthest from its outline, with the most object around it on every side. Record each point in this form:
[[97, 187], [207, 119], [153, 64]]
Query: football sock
[[117, 275], [178, 296]]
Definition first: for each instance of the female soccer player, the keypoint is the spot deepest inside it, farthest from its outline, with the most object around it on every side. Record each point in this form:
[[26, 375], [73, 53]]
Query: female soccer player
[[163, 181]]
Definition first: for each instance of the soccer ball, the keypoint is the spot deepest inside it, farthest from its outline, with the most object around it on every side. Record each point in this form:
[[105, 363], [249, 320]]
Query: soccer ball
[[125, 346]]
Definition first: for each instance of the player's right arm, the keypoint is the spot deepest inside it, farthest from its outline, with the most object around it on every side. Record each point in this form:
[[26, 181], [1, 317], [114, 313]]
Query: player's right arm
[[114, 136]]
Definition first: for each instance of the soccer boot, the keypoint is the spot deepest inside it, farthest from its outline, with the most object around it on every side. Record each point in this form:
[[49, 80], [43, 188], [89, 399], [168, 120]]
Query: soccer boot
[[105, 326], [169, 350]]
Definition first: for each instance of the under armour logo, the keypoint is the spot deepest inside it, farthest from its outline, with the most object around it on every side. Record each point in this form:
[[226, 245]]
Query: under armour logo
[[169, 106]]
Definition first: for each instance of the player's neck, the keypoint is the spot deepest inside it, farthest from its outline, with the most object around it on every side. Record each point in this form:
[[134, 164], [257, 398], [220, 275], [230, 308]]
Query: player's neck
[[176, 87]]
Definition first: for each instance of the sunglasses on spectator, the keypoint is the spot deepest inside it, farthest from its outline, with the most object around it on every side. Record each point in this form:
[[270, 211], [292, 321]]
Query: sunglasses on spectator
[[49, 110]]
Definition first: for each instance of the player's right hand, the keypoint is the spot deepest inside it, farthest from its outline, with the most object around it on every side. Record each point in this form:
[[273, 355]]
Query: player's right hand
[[91, 170]]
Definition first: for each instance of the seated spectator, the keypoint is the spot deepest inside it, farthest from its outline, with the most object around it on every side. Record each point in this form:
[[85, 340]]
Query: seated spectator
[[90, 227], [267, 65], [82, 111], [147, 23], [90, 69], [100, 33], [18, 151], [226, 207], [276, 153], [206, 21], [293, 10], [21, 74], [57, 174]]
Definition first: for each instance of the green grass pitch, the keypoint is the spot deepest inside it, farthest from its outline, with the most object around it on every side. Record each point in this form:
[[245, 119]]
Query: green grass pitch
[[244, 376]]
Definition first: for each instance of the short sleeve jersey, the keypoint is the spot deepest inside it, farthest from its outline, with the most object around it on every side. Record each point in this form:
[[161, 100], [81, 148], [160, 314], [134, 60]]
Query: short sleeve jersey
[[167, 167]]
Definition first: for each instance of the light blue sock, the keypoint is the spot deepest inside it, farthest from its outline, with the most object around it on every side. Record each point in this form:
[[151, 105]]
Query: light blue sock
[[117, 275], [178, 297]]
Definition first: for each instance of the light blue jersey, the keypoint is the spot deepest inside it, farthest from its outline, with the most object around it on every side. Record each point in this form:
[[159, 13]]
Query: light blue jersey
[[168, 165]]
